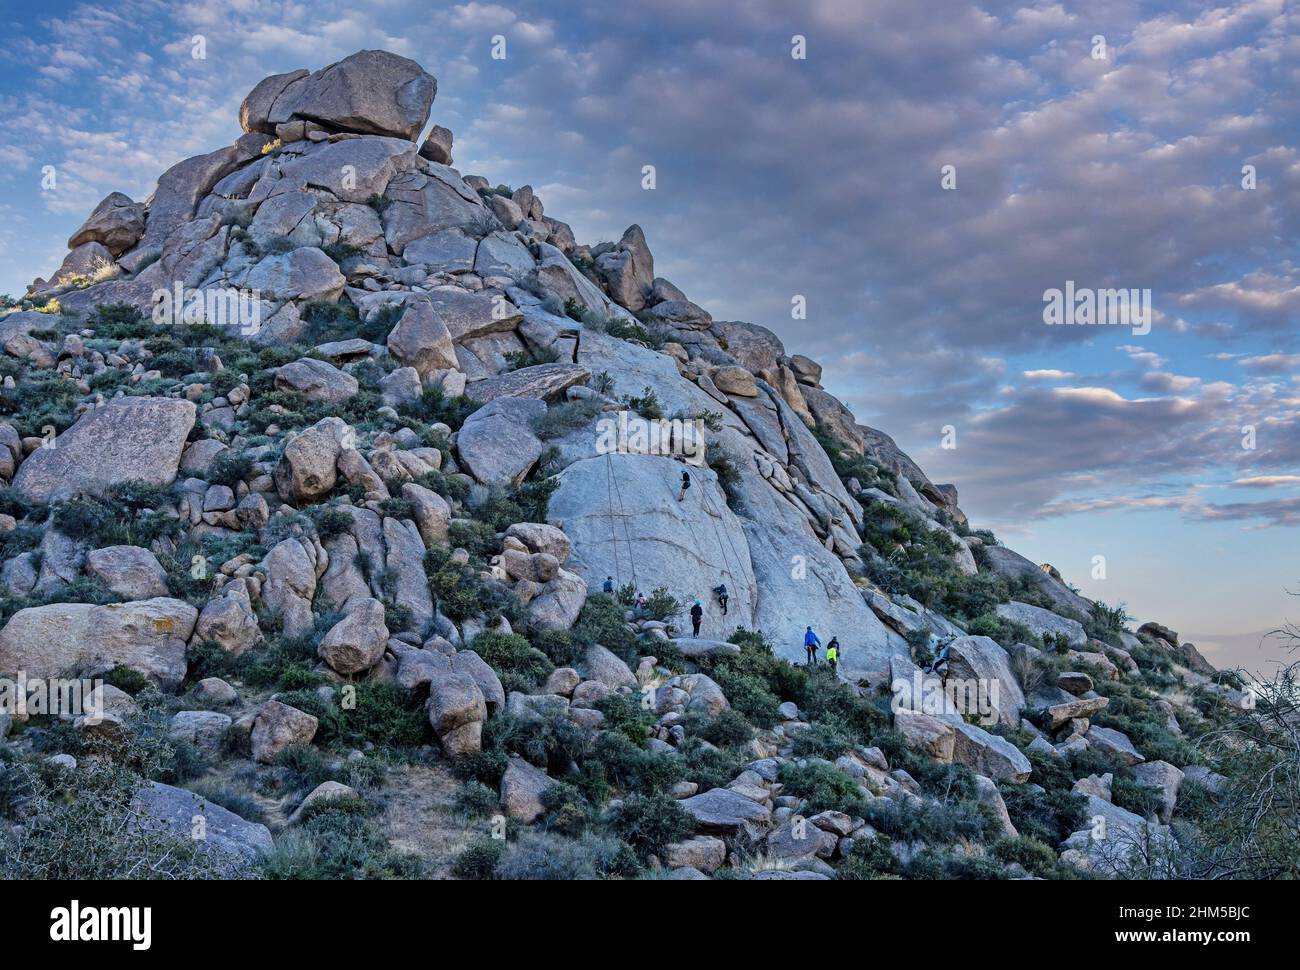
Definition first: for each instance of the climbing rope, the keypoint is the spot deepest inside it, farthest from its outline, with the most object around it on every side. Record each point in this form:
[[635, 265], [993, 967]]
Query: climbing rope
[[714, 516], [613, 530], [611, 477]]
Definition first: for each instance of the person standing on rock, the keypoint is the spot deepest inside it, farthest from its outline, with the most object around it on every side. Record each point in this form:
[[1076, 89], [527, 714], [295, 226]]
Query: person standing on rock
[[686, 483], [697, 615], [833, 652], [810, 645], [609, 584]]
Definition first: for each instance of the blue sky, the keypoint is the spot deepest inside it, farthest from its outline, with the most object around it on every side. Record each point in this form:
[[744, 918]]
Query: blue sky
[[820, 177]]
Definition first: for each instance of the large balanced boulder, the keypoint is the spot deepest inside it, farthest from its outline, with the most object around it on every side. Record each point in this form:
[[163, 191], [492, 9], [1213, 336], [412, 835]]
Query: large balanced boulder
[[370, 92], [130, 439], [421, 339], [985, 662], [356, 643], [316, 380], [456, 710], [497, 444], [1043, 623], [724, 812], [128, 571], [278, 726], [61, 639], [1013, 566], [229, 621], [117, 223], [165, 808], [308, 468], [522, 787]]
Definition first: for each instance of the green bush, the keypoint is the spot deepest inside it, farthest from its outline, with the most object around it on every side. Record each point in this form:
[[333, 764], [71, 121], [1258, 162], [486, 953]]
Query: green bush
[[822, 788], [601, 621], [1034, 856], [520, 666], [649, 823], [339, 845], [384, 714], [823, 739], [79, 824], [543, 855], [728, 728], [566, 417], [479, 859]]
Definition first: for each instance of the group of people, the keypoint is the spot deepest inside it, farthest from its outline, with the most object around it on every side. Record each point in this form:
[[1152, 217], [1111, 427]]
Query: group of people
[[811, 645], [697, 608]]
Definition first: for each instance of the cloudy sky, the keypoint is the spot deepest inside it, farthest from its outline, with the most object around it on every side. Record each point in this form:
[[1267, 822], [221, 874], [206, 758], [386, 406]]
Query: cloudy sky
[[1106, 142]]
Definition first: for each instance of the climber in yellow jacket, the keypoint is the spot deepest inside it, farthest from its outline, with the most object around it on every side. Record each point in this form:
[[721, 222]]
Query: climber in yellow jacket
[[833, 652]]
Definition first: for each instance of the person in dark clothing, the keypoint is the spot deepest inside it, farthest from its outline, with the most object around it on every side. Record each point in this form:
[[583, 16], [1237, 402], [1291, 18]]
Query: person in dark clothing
[[697, 615], [721, 592], [609, 584], [686, 483], [833, 652]]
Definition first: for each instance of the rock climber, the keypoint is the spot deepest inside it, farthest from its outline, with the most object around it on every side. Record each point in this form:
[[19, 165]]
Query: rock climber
[[721, 592], [810, 645], [686, 483], [833, 652]]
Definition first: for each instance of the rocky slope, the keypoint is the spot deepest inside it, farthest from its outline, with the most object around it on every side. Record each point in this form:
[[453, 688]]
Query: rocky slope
[[358, 515]]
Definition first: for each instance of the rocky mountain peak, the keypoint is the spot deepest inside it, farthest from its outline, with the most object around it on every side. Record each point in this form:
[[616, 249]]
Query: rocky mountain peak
[[324, 411]]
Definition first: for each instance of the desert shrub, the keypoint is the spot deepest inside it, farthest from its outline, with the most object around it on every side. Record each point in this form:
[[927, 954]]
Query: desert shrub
[[1034, 856], [543, 855], [119, 321], [822, 787], [1139, 799], [558, 646], [870, 858], [339, 845], [435, 407], [567, 810], [645, 404], [931, 821], [233, 800], [933, 863], [724, 466], [14, 502], [623, 763], [476, 799], [565, 417], [479, 859], [384, 714], [825, 697], [601, 621], [728, 729], [128, 514], [126, 679], [229, 468], [279, 661], [330, 521], [827, 739], [520, 665], [460, 593], [79, 824], [649, 823], [624, 714], [1048, 815]]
